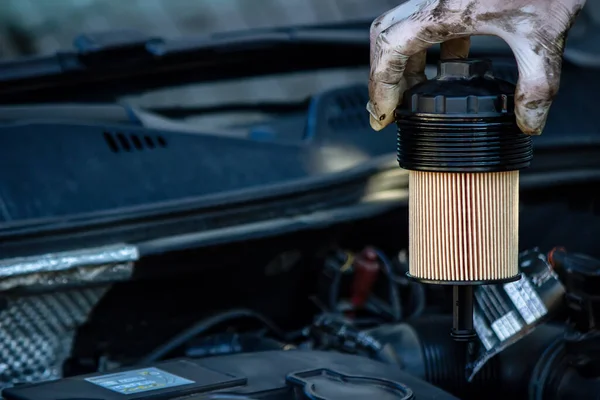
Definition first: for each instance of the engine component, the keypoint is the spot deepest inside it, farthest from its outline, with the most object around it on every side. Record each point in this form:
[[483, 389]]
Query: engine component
[[570, 368], [37, 332], [202, 327], [556, 378], [422, 347], [581, 275], [523, 353], [45, 299], [334, 332], [459, 140], [364, 269], [267, 375], [504, 314]]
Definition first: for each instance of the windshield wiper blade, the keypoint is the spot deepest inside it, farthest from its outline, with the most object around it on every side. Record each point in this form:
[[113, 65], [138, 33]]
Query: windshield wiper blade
[[104, 67]]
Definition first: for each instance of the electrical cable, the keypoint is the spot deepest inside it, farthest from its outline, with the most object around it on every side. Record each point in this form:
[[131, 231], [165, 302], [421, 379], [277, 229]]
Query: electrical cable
[[202, 327], [334, 291], [396, 306], [418, 299]]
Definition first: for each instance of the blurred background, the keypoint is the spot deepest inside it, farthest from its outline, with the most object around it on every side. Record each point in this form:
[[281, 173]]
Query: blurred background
[[39, 27], [44, 26], [29, 27]]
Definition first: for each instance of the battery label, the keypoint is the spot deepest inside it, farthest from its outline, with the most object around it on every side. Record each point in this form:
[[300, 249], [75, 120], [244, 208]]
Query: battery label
[[139, 381]]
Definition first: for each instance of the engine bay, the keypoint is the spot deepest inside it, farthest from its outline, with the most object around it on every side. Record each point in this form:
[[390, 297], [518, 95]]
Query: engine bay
[[273, 264], [347, 322]]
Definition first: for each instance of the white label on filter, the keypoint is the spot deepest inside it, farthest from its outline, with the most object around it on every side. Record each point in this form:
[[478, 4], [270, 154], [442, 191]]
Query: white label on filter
[[526, 300], [486, 336], [506, 326]]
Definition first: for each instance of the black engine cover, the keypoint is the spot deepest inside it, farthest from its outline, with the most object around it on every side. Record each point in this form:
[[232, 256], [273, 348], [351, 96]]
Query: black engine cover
[[277, 375]]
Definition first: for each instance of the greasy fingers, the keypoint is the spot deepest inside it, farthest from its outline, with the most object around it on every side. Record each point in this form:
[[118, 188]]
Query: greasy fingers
[[538, 47], [399, 40], [535, 92], [534, 29], [389, 58]]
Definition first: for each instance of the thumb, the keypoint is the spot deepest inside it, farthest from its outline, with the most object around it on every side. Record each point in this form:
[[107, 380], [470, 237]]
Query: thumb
[[540, 65]]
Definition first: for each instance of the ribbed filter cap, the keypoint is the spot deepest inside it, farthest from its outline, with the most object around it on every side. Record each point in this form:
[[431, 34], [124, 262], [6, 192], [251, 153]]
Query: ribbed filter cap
[[462, 87], [458, 138], [461, 121]]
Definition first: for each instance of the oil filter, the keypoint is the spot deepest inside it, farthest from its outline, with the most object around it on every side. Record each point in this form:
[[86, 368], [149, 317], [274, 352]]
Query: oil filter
[[459, 140]]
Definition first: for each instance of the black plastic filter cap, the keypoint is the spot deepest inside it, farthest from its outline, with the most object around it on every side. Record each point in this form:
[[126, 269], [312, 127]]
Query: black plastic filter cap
[[461, 121]]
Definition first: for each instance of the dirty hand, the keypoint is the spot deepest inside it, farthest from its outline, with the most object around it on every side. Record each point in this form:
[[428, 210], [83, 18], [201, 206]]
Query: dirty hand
[[534, 29]]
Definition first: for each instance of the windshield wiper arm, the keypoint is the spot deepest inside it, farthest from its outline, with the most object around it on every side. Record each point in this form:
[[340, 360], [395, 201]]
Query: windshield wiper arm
[[104, 67]]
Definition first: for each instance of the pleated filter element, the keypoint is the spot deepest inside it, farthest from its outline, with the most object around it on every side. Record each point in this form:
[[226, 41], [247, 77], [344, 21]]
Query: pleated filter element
[[459, 140], [463, 226]]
